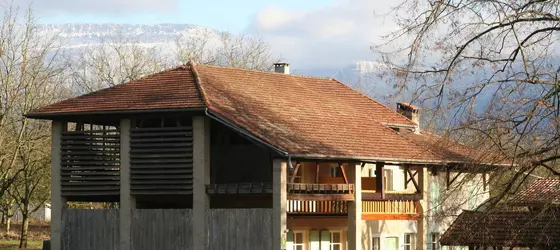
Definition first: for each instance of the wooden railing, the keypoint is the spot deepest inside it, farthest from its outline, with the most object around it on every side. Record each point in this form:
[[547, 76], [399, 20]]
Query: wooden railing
[[303, 188], [390, 207], [317, 207]]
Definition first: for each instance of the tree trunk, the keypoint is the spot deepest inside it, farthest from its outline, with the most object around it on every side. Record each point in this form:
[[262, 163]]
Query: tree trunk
[[3, 219], [24, 231], [8, 224]]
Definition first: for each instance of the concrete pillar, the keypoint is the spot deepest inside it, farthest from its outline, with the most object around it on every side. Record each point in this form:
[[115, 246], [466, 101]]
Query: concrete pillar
[[422, 225], [280, 200], [355, 209], [127, 202], [201, 177], [57, 201]]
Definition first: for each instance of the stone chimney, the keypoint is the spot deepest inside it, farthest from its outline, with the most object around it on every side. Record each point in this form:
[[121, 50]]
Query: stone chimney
[[282, 67], [411, 112]]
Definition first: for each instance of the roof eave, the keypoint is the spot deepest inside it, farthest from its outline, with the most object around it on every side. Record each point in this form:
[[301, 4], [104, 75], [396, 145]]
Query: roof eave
[[55, 116]]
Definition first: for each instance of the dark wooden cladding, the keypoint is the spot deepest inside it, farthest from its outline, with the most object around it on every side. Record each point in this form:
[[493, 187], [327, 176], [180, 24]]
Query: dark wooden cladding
[[161, 160], [90, 163], [239, 188]]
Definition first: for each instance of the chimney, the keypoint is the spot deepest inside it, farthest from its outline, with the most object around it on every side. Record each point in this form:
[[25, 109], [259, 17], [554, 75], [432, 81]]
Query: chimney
[[282, 67], [411, 112]]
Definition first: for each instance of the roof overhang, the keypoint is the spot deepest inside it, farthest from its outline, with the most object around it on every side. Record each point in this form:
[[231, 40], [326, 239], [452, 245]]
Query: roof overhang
[[58, 116]]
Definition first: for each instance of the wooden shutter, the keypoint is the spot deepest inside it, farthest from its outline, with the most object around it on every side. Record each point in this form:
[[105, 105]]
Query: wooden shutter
[[325, 240], [290, 241], [314, 239]]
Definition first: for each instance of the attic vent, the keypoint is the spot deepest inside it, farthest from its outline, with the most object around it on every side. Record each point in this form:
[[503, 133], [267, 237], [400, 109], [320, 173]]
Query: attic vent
[[396, 129]]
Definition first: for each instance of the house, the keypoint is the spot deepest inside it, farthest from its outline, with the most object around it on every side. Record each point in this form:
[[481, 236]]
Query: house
[[206, 157], [531, 219]]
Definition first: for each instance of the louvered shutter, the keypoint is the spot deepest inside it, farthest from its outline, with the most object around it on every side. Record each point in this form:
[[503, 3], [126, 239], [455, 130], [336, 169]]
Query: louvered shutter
[[314, 239], [325, 240]]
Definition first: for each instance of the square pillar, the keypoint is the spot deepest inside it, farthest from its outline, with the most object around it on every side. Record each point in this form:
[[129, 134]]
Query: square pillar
[[201, 177], [280, 200], [355, 209], [422, 224], [127, 201], [57, 200]]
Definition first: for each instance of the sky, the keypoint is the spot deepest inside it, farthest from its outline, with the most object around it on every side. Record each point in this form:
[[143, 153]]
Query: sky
[[312, 33]]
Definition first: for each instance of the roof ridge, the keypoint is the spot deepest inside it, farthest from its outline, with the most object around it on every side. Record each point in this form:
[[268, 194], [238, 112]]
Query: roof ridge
[[260, 71], [198, 82], [370, 98]]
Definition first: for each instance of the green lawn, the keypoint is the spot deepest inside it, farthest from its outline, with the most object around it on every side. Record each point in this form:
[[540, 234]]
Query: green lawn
[[13, 244]]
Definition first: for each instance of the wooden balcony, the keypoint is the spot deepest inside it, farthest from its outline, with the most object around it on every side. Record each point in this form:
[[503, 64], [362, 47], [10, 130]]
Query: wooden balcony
[[308, 207], [320, 192], [391, 210]]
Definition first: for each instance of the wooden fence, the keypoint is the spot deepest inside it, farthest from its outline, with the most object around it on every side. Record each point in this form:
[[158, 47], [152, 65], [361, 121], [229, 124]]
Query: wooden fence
[[317, 207], [166, 229], [248, 229], [90, 229]]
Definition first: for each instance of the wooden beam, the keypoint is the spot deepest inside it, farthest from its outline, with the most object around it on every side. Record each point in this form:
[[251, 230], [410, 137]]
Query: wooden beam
[[380, 181], [321, 197], [450, 181], [343, 173], [316, 172], [411, 175], [295, 172], [413, 180]]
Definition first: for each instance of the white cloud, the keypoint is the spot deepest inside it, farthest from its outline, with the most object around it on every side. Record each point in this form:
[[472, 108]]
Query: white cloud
[[332, 36], [98, 6]]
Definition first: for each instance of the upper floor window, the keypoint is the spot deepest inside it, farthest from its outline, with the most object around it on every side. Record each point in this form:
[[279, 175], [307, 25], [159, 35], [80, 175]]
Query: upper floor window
[[336, 171], [376, 244], [336, 241], [409, 241], [435, 241], [299, 243]]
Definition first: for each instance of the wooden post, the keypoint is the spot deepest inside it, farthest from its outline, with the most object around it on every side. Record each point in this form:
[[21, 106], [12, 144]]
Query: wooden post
[[280, 199], [422, 223], [355, 209], [316, 172], [127, 202], [57, 200], [379, 178], [201, 177]]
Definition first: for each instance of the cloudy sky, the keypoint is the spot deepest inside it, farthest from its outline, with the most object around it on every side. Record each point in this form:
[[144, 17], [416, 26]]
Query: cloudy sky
[[312, 33]]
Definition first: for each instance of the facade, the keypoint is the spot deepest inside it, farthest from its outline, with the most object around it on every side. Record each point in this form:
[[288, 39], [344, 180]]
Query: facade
[[254, 160]]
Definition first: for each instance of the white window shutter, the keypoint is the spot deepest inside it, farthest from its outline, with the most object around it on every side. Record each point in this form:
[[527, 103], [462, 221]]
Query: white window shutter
[[325, 240], [290, 240], [314, 239]]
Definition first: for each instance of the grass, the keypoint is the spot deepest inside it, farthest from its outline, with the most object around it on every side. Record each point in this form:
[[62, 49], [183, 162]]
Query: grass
[[14, 244], [37, 233]]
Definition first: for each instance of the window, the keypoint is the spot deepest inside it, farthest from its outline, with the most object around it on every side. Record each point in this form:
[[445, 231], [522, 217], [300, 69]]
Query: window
[[375, 242], [409, 241], [336, 241], [298, 241], [335, 171], [435, 241], [388, 175], [391, 243]]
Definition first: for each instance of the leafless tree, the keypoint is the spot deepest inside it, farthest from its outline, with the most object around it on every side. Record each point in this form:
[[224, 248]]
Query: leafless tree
[[224, 49], [114, 62], [490, 70]]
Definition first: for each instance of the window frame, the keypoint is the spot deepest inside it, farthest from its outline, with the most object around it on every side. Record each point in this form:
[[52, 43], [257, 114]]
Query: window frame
[[332, 244], [434, 241], [373, 241], [412, 239], [303, 241]]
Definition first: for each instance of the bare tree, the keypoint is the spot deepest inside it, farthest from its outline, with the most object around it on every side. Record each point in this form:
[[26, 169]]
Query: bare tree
[[224, 49], [114, 62], [490, 70]]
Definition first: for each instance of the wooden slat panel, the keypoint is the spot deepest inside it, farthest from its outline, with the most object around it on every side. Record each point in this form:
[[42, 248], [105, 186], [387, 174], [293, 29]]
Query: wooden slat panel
[[159, 155], [139, 130], [247, 229], [161, 177], [161, 229], [89, 229], [167, 166]]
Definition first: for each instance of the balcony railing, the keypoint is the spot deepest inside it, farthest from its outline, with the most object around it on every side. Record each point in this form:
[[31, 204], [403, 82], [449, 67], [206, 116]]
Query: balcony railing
[[303, 188], [317, 207]]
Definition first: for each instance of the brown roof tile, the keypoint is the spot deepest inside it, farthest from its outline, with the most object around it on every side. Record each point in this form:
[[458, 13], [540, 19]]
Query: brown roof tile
[[540, 192], [170, 89], [303, 116], [505, 229]]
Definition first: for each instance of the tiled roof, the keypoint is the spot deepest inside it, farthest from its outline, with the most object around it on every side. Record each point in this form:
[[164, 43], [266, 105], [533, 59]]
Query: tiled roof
[[170, 89], [303, 116], [505, 229], [540, 192]]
